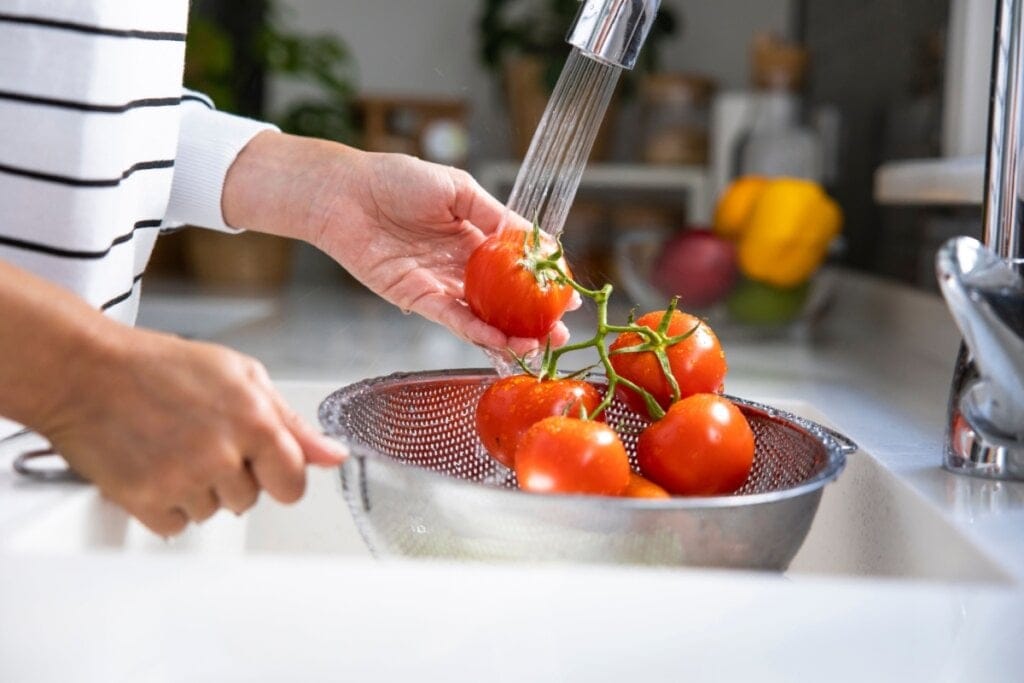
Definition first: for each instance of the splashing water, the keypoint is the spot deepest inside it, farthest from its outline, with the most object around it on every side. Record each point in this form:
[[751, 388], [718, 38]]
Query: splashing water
[[550, 175], [503, 365]]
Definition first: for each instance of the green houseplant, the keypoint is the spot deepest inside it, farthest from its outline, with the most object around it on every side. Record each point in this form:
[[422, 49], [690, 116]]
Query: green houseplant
[[322, 62], [219, 52]]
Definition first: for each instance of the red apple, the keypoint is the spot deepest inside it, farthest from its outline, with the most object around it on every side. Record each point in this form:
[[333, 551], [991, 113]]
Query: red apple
[[698, 266]]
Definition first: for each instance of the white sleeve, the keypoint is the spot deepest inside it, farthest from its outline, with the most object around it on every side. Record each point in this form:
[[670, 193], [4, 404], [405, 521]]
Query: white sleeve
[[208, 142]]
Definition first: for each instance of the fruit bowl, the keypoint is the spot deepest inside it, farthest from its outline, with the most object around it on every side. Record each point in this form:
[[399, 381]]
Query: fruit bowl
[[745, 309], [420, 484]]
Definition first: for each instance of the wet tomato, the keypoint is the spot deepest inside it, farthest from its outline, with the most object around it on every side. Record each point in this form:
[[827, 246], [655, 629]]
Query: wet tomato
[[643, 488], [567, 455], [513, 404], [697, 362], [504, 290], [702, 447]]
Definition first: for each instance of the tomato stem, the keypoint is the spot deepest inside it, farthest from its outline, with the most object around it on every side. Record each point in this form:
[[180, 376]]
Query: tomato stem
[[657, 341]]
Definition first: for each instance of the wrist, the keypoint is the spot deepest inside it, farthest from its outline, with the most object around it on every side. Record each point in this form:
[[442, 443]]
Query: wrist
[[287, 185], [82, 359]]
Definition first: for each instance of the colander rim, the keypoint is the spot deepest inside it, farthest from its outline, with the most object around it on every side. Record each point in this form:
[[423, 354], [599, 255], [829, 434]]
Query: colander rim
[[837, 447]]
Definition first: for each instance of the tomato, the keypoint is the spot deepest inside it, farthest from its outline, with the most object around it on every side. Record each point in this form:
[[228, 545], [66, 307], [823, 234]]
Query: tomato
[[643, 488], [567, 455], [513, 404], [702, 447], [503, 291], [697, 362]]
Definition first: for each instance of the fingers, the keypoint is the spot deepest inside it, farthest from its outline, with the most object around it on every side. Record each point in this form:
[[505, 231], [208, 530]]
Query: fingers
[[201, 505], [162, 523], [280, 468], [239, 491], [559, 334], [523, 347], [575, 302], [476, 205], [457, 317], [317, 448]]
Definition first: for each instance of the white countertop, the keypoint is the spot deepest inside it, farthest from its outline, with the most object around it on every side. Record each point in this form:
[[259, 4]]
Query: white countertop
[[879, 371], [944, 181]]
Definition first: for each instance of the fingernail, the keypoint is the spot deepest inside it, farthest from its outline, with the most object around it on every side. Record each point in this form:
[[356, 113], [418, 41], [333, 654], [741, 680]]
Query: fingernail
[[336, 449]]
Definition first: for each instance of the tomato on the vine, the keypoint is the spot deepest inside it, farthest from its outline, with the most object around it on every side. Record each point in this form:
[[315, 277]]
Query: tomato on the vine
[[568, 455], [505, 289], [513, 404], [643, 488], [702, 447], [697, 362]]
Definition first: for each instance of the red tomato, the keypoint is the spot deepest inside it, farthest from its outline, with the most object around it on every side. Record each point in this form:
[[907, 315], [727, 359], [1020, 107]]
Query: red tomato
[[503, 291], [642, 488], [702, 447], [513, 404], [697, 362], [566, 455]]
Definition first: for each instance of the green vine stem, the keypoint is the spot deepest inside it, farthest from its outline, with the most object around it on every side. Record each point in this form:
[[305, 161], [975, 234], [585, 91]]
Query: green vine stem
[[657, 341]]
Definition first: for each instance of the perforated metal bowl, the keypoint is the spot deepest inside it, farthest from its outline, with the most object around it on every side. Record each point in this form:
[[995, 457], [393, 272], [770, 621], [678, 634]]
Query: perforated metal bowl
[[419, 483]]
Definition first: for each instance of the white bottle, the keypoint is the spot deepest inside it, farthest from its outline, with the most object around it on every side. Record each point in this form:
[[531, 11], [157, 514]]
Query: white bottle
[[776, 144]]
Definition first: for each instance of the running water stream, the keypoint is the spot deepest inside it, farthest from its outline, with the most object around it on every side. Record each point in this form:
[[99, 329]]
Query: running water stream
[[550, 175]]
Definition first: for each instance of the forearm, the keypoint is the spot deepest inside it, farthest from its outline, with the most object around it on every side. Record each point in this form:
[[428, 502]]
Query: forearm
[[287, 185], [49, 339]]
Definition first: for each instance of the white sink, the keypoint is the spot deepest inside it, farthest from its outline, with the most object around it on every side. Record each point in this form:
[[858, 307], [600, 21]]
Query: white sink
[[869, 524]]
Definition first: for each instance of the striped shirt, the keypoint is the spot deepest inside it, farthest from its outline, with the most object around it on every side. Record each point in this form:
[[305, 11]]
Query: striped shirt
[[100, 147]]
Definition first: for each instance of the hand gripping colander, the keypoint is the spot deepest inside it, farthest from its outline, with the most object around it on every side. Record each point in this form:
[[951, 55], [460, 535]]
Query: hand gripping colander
[[420, 484]]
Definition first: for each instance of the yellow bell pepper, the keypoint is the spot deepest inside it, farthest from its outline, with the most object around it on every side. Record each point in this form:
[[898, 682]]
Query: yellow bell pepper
[[737, 203], [787, 234]]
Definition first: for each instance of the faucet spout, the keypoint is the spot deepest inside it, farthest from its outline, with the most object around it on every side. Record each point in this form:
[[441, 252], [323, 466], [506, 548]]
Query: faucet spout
[[613, 31], [984, 288], [986, 297]]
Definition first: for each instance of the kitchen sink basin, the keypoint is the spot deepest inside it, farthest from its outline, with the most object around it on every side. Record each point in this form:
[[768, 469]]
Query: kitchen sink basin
[[869, 524]]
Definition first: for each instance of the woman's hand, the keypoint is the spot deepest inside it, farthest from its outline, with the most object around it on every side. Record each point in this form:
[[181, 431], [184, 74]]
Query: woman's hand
[[402, 226], [174, 430], [170, 429]]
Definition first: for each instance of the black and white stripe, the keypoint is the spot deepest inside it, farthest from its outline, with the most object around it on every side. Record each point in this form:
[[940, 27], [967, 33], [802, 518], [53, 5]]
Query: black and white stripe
[[100, 148], [90, 94]]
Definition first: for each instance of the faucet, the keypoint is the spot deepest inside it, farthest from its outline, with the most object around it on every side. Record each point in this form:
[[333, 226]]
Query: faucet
[[613, 31], [984, 288]]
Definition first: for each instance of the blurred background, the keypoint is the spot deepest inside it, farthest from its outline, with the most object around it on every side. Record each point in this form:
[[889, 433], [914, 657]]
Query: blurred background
[[833, 91]]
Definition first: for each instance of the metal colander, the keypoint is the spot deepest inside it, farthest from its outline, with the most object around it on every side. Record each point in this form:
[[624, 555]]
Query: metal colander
[[419, 483]]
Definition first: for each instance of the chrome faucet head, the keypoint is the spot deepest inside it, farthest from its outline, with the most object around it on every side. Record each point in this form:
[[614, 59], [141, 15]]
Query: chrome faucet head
[[613, 31], [985, 294]]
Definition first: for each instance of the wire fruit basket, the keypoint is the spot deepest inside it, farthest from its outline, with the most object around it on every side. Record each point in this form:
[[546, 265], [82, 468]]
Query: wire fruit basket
[[420, 484]]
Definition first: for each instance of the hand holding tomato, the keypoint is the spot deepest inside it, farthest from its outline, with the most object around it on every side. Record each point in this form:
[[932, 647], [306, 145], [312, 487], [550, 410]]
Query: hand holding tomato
[[405, 229], [702, 447], [510, 406], [506, 289]]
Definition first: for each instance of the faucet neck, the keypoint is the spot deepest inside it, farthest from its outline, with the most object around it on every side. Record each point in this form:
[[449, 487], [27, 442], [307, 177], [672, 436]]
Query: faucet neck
[[1002, 215], [613, 31]]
